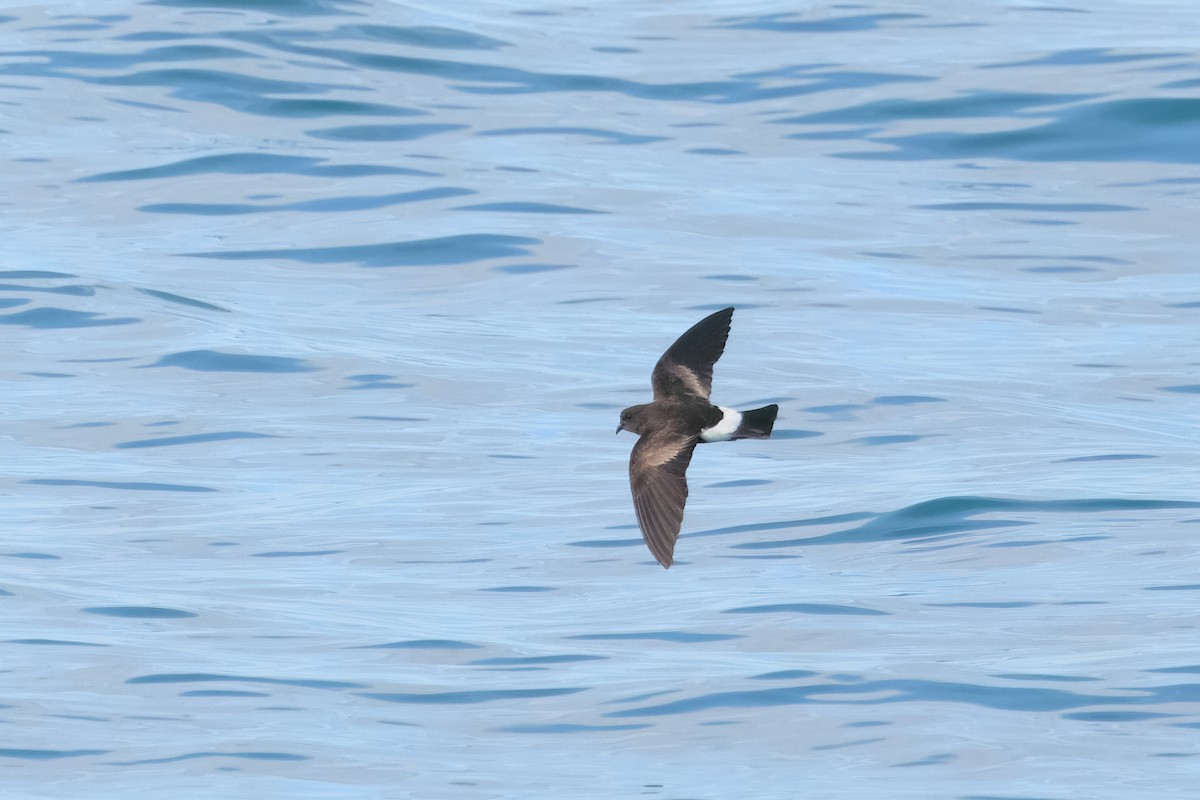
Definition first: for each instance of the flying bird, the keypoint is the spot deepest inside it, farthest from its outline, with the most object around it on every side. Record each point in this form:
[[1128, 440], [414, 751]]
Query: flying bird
[[670, 427]]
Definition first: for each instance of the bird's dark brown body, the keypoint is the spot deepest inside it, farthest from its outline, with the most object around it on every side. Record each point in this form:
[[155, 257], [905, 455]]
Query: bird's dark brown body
[[678, 415], [670, 427]]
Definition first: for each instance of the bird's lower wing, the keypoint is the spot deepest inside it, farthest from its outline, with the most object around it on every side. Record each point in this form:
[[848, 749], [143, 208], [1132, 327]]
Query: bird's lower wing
[[657, 476]]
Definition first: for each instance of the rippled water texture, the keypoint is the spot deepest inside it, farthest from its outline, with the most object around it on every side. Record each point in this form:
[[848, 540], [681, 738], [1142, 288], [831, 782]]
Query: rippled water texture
[[318, 315]]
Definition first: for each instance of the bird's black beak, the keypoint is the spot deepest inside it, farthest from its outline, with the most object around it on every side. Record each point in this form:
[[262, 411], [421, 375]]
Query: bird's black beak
[[620, 428]]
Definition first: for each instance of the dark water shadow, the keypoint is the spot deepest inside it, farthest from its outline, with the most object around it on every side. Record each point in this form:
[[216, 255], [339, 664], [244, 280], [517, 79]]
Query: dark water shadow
[[383, 133], [376, 381], [942, 518], [181, 300], [969, 105], [73, 290], [885, 692], [55, 643], [196, 438], [27, 754], [1048, 208], [140, 612], [322, 206], [528, 207], [597, 134], [208, 677], [429, 36], [235, 91], [817, 609], [445, 250], [1160, 130], [534, 660], [420, 644], [216, 361], [286, 8], [948, 516], [491, 78], [253, 755], [139, 486], [254, 164], [677, 637], [1087, 57], [564, 727], [792, 22], [53, 318], [467, 697]]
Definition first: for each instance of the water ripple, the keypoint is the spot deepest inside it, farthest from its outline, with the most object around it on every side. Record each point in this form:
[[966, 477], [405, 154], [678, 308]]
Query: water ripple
[[233, 90], [952, 515], [534, 660], [215, 361], [196, 438], [140, 486], [206, 677], [140, 612], [460, 249], [383, 133], [287, 8], [324, 206], [56, 642], [790, 22], [183, 301], [1041, 207], [422, 644], [528, 207], [468, 697], [820, 609], [72, 290], [679, 637], [46, 755], [607, 136], [970, 105], [248, 754], [1085, 56], [419, 36], [1162, 130], [252, 164], [564, 727], [883, 692], [49, 318]]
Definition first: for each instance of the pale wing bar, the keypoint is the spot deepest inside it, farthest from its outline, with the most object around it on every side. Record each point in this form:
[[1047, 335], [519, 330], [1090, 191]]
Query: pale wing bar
[[686, 368], [660, 492]]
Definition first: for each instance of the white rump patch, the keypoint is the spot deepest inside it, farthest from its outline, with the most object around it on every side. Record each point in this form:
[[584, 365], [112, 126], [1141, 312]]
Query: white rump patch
[[723, 431]]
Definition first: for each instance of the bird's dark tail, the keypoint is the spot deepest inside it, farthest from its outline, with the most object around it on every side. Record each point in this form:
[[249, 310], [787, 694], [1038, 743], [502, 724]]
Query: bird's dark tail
[[757, 424]]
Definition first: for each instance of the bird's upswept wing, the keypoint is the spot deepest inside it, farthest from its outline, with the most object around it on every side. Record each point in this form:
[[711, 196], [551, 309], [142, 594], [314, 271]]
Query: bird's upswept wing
[[686, 368]]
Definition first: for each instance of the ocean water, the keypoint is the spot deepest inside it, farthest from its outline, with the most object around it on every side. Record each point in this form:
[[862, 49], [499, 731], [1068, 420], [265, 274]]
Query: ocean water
[[318, 315]]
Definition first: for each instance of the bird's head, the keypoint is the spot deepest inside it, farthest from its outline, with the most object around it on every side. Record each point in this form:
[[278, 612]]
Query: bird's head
[[632, 419]]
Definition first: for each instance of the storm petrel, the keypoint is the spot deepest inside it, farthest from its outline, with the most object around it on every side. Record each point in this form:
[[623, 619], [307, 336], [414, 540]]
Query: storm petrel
[[670, 427]]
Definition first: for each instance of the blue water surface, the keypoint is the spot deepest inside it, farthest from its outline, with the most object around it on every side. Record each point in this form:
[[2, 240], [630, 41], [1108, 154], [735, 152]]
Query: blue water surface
[[318, 316]]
